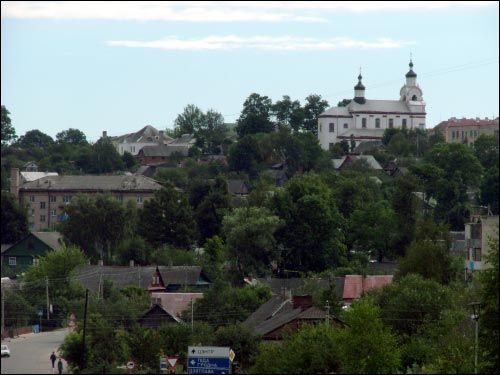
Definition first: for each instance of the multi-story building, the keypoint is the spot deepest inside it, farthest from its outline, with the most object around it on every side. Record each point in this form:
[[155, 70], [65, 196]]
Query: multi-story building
[[366, 119], [466, 130], [134, 142], [47, 196], [478, 232]]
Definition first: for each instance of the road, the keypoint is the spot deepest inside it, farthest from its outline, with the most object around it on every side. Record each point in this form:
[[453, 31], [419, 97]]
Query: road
[[30, 353]]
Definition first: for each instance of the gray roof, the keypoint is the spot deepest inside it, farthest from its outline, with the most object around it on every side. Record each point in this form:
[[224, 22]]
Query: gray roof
[[237, 187], [163, 150], [275, 305], [52, 239], [336, 111], [33, 176], [122, 276], [367, 146], [145, 135], [91, 182], [184, 140], [372, 162], [370, 105], [6, 246]]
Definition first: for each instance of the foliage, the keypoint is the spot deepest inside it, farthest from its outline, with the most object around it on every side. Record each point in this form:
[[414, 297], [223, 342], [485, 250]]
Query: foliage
[[489, 189], [168, 255], [133, 248], [244, 156], [72, 136], [240, 339], [167, 218], [14, 219], [18, 311], [213, 257], [71, 350], [249, 233], [255, 116], [175, 176], [405, 208], [313, 107], [34, 139], [190, 119], [8, 131], [288, 113], [486, 150], [104, 158], [95, 224], [211, 210], [128, 160]]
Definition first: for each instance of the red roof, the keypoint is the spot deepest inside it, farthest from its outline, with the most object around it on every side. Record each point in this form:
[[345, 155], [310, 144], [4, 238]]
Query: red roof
[[355, 285], [176, 303], [452, 122]]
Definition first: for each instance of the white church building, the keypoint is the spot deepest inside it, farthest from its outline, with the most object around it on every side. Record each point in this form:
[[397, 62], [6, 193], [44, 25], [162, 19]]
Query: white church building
[[366, 119]]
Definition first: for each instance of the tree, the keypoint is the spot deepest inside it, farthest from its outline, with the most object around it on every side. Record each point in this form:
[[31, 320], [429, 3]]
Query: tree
[[288, 113], [486, 150], [104, 158], [8, 131], [72, 136], [366, 345], [14, 219], [34, 138], [128, 160], [313, 236], [249, 233], [255, 116], [489, 189], [312, 109], [188, 121], [244, 155], [210, 212], [240, 339], [404, 205], [212, 132], [95, 224], [343, 103], [373, 229], [167, 219]]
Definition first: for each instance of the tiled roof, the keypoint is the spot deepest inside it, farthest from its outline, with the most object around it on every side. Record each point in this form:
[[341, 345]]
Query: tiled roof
[[454, 122], [176, 303], [370, 105], [355, 285], [275, 305], [303, 285], [162, 150], [91, 182]]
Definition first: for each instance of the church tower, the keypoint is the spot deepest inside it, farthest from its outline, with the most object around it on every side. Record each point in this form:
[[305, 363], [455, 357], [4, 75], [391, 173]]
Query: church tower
[[359, 91], [411, 92]]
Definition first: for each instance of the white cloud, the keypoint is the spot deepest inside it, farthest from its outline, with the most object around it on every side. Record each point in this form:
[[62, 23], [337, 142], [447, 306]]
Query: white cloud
[[212, 11], [283, 43]]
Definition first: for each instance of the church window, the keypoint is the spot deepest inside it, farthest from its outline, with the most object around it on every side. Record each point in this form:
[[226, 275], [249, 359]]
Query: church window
[[391, 123], [414, 98], [377, 123], [363, 122], [346, 126], [404, 123], [331, 126]]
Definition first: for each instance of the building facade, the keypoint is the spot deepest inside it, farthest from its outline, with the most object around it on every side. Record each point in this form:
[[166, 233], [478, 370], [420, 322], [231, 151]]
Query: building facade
[[478, 232], [134, 142], [366, 119], [47, 196], [466, 130]]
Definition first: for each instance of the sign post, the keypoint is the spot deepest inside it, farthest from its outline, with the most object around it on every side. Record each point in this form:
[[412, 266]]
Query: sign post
[[208, 360]]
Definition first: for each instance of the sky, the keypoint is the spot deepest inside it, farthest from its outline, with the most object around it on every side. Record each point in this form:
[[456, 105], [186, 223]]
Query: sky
[[118, 66]]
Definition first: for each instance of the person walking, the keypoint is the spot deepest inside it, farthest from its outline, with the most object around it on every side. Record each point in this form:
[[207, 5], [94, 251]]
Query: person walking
[[53, 359], [60, 366]]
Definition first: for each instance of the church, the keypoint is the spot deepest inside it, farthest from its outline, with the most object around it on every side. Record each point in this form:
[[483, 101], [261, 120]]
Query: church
[[365, 119]]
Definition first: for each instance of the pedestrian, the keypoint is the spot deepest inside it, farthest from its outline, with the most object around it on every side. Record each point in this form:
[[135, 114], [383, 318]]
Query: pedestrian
[[53, 359], [60, 366]]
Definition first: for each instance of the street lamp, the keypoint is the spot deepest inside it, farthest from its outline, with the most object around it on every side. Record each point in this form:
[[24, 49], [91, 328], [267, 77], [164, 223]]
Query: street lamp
[[475, 306]]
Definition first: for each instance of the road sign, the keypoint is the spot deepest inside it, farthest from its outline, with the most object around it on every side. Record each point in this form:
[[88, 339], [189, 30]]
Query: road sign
[[232, 355], [163, 363], [172, 361], [208, 360], [130, 365]]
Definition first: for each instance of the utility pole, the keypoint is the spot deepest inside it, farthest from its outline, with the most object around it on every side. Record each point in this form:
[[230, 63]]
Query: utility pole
[[3, 312], [47, 292], [192, 314], [327, 310], [85, 325]]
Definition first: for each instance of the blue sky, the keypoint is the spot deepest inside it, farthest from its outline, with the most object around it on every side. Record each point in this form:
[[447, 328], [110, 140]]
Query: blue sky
[[120, 66]]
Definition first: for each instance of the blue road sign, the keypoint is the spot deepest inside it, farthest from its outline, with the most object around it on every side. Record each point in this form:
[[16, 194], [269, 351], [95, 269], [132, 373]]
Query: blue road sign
[[208, 365], [192, 370]]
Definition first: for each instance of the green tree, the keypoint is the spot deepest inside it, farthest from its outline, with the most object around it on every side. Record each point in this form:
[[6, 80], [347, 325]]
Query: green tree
[[72, 136], [212, 132], [373, 229], [210, 212], [313, 107], [486, 150], [255, 116], [104, 157], [489, 189], [191, 119], [95, 224], [404, 204], [128, 160], [8, 131], [288, 113], [14, 219], [366, 345], [167, 219], [34, 138], [249, 233], [240, 339], [343, 103], [244, 156]]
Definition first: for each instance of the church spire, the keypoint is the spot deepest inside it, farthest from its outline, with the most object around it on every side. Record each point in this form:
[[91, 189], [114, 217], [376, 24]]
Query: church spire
[[359, 90]]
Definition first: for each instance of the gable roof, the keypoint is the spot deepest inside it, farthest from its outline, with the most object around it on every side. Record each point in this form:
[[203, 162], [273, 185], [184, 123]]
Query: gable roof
[[161, 150], [356, 285], [237, 187], [153, 317], [33, 176], [267, 310], [93, 183], [51, 239], [176, 303], [147, 134]]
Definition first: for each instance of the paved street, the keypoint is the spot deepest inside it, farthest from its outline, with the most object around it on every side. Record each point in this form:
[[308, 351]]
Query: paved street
[[30, 353]]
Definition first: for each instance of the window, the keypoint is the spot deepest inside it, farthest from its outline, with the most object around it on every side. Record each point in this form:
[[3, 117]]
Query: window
[[476, 254], [53, 198], [414, 98], [12, 261], [140, 199], [53, 212], [32, 198], [377, 123], [331, 127], [42, 205], [42, 218], [36, 261], [346, 126], [363, 122], [67, 198], [391, 123], [404, 123]]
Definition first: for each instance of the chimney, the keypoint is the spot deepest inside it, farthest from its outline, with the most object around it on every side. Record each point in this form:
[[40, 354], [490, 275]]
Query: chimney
[[304, 302], [104, 133], [100, 263], [131, 263], [14, 181]]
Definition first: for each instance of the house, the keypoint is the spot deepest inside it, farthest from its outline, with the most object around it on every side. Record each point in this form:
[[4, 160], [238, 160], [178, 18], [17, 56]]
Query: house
[[477, 234], [356, 285], [159, 154], [30, 166], [47, 196], [156, 316], [175, 303], [466, 130], [278, 173], [155, 279], [394, 170], [348, 160], [280, 316], [33, 176], [183, 143], [27, 251], [237, 187], [134, 142], [298, 285], [365, 119]]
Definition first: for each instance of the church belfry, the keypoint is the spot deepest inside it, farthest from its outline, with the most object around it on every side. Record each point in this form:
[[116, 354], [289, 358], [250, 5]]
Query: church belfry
[[359, 90], [411, 92]]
